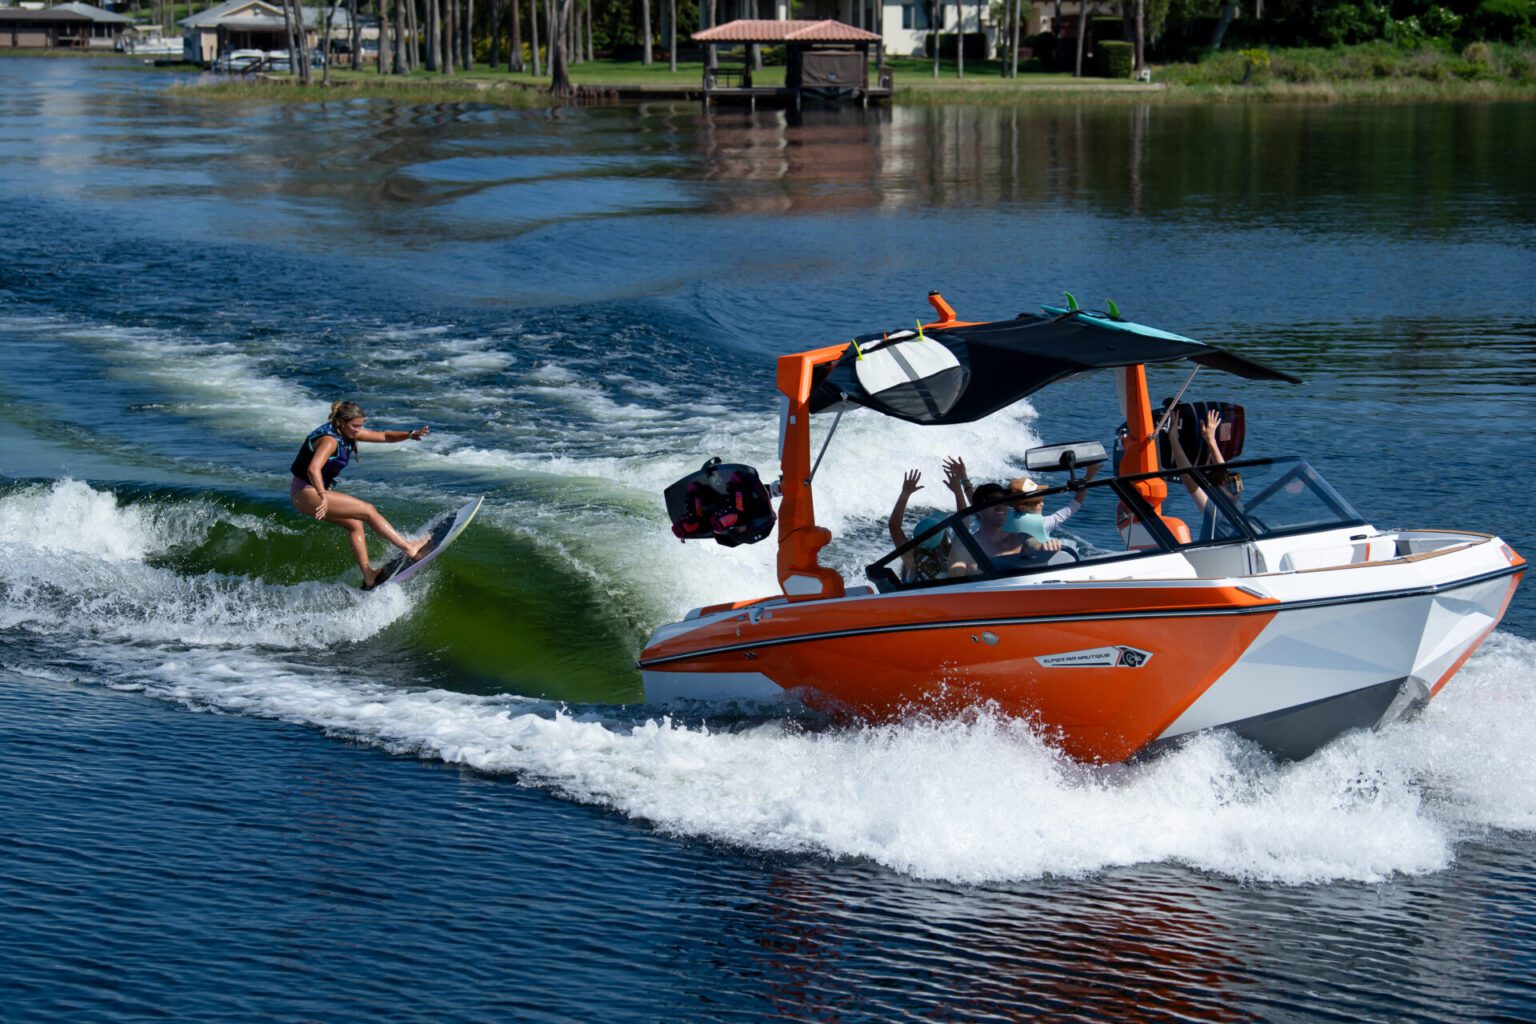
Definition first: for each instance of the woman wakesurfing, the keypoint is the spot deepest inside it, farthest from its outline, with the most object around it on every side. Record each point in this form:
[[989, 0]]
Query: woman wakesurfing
[[322, 456]]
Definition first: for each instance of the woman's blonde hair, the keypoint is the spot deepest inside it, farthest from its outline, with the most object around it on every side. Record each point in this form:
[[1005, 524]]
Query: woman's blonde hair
[[341, 412]]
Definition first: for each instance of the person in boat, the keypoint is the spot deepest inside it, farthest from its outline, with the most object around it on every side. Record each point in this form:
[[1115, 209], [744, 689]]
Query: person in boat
[[1230, 482], [991, 530], [1027, 515], [324, 454], [930, 559]]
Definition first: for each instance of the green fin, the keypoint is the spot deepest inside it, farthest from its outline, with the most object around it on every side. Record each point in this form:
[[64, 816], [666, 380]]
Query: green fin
[[1071, 302], [857, 349], [920, 335], [1114, 310]]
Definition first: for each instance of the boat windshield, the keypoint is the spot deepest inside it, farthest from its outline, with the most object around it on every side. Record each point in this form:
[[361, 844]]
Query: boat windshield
[[1108, 519]]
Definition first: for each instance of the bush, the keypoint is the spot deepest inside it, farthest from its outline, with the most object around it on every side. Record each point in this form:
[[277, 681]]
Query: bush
[[1116, 59]]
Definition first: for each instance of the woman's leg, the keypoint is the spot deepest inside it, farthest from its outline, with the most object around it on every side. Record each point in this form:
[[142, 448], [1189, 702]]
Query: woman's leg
[[343, 508], [359, 541]]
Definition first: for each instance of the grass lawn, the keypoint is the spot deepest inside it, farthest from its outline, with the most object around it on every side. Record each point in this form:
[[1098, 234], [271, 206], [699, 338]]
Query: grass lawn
[[910, 74]]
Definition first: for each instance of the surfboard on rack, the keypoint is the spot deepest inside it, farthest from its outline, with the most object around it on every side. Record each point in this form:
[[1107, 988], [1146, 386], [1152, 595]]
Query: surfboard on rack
[[445, 530]]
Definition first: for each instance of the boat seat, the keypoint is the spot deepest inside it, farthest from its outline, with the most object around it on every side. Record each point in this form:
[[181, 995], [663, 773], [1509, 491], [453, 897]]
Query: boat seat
[[1323, 557]]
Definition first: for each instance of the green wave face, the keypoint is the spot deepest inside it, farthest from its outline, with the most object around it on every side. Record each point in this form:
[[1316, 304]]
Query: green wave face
[[493, 614]]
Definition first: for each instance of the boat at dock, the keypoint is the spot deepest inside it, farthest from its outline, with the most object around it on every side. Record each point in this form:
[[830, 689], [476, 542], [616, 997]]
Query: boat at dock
[[1232, 593]]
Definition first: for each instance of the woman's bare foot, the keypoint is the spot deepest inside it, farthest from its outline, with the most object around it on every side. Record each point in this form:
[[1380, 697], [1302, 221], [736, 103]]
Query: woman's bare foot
[[416, 547], [370, 578]]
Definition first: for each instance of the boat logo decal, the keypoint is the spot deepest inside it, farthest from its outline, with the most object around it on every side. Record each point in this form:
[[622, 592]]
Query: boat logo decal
[[1097, 657]]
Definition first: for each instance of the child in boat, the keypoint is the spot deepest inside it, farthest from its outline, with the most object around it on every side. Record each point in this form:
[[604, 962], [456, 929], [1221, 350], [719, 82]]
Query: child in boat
[[930, 559], [1028, 516]]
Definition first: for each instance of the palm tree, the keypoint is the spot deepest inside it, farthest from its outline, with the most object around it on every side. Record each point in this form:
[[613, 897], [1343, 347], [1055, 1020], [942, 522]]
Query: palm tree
[[559, 69], [515, 58], [933, 33], [645, 32]]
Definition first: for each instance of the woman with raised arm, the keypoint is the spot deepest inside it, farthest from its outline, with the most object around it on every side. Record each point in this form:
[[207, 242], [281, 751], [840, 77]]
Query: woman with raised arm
[[930, 559], [323, 455], [1230, 482]]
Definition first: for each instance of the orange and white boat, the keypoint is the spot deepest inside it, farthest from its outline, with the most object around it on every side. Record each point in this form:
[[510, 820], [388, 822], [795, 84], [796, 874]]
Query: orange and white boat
[[1247, 596]]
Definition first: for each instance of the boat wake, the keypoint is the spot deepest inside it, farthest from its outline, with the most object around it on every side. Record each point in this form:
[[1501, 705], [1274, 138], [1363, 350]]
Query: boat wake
[[974, 800]]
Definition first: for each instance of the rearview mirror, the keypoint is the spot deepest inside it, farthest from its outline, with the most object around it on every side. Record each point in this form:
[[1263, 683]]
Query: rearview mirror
[[1075, 455]]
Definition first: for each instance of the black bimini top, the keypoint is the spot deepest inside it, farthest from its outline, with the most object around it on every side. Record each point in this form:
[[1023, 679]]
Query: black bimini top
[[961, 374]]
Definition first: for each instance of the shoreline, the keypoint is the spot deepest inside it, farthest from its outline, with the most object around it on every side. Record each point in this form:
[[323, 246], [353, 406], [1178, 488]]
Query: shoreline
[[603, 83], [512, 92]]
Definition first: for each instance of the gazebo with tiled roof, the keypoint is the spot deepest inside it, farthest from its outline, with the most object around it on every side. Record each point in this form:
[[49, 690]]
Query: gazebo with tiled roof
[[823, 59]]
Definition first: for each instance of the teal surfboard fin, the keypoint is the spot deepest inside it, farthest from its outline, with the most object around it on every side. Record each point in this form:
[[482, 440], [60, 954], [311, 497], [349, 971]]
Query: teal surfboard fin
[[1072, 306]]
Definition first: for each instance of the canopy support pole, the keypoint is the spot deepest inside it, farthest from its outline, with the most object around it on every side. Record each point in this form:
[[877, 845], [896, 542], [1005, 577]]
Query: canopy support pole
[[821, 454], [1175, 403]]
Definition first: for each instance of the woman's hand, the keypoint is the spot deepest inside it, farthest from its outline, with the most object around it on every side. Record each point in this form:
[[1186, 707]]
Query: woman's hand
[[419, 433], [1092, 471], [324, 507], [955, 475], [1208, 428], [909, 483]]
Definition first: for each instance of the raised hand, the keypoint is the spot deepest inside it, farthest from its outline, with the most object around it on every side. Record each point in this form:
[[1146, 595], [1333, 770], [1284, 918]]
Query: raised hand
[[1208, 428], [420, 432], [955, 475], [909, 483]]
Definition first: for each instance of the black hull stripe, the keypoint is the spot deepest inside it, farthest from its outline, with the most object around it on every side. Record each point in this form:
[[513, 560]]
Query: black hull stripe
[[1262, 609]]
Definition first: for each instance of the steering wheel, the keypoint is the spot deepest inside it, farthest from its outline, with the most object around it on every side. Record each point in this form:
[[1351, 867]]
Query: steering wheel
[[1072, 556]]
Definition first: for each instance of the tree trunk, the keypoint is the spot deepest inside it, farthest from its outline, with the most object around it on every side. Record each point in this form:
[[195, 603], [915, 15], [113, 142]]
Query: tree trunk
[[356, 33], [383, 13], [672, 38], [412, 37], [293, 35], [469, 35], [1018, 18], [434, 30], [552, 37], [959, 38], [938, 23], [494, 12], [645, 32], [1219, 34], [559, 71], [450, 35], [591, 42], [1082, 30], [533, 33], [402, 42], [515, 57]]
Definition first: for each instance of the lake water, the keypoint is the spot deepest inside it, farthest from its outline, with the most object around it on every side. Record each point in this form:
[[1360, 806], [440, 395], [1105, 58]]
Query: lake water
[[233, 787]]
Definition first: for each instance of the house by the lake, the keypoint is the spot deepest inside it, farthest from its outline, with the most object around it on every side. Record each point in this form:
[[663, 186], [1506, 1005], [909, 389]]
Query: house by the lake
[[71, 25]]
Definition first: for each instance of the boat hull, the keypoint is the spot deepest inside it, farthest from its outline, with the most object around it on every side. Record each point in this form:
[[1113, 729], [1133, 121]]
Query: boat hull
[[1110, 669]]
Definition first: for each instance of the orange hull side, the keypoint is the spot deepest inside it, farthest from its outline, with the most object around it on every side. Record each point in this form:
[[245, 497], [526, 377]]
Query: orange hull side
[[1098, 713]]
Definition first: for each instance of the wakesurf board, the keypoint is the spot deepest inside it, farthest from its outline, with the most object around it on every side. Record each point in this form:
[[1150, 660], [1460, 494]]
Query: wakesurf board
[[445, 530]]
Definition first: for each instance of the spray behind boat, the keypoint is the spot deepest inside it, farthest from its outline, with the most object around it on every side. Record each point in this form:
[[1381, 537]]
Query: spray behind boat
[[726, 502]]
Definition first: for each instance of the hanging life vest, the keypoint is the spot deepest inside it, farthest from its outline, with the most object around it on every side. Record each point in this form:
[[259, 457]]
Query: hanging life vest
[[727, 503]]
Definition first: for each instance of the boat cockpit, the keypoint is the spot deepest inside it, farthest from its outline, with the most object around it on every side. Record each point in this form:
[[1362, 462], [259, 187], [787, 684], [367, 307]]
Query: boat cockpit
[[1219, 519]]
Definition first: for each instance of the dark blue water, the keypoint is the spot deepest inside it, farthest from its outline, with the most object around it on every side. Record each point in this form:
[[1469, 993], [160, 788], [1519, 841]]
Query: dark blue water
[[236, 788]]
